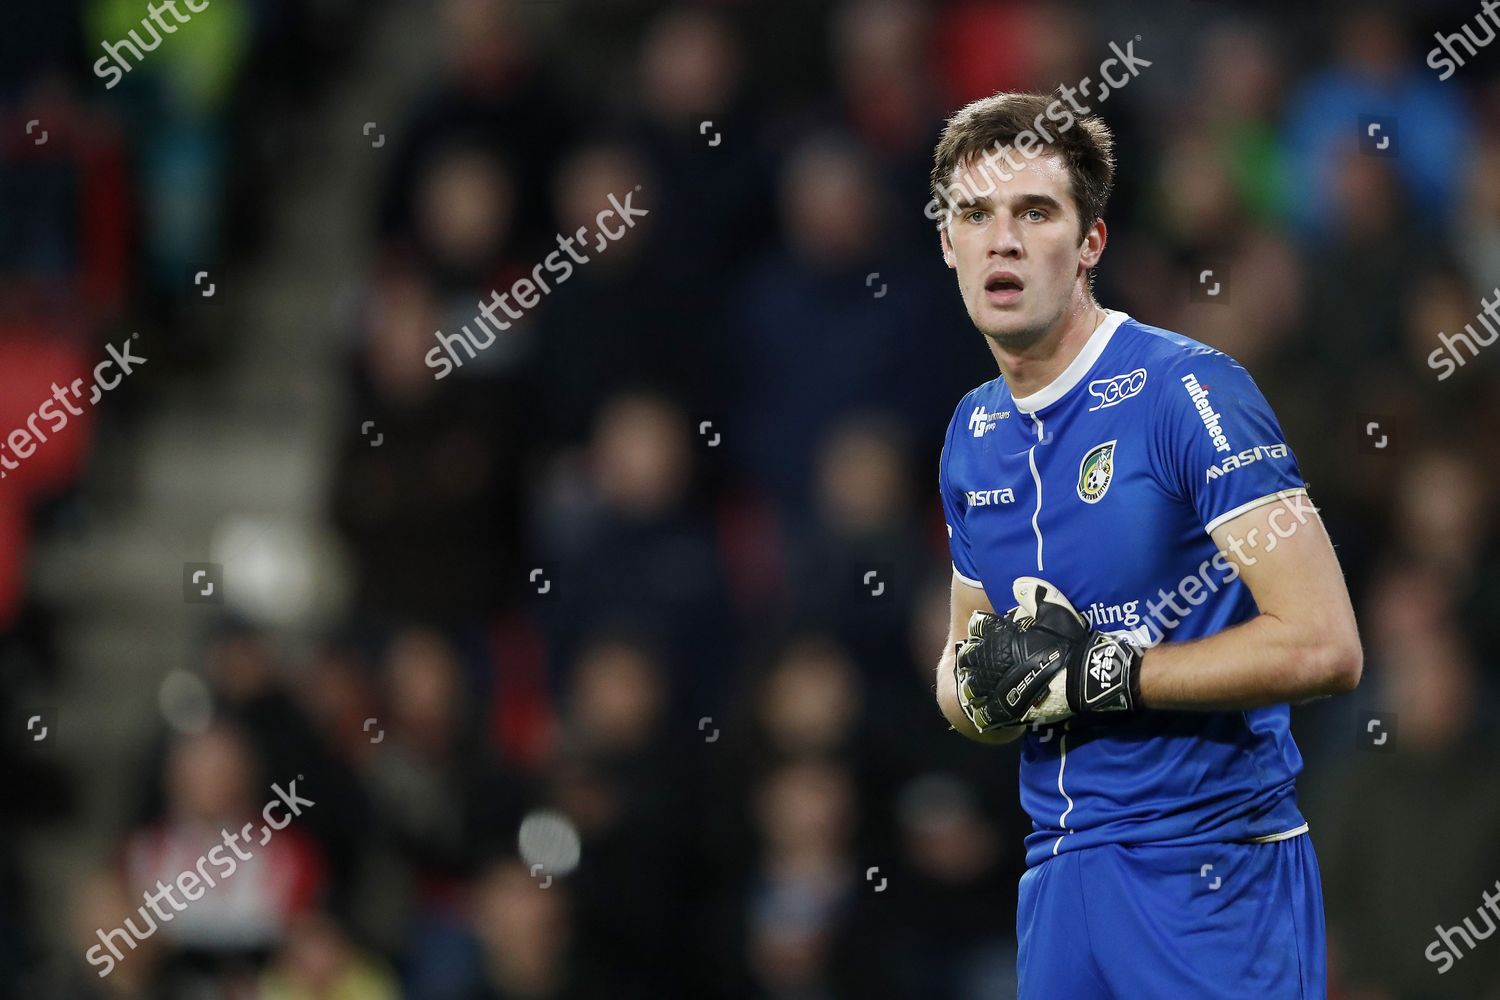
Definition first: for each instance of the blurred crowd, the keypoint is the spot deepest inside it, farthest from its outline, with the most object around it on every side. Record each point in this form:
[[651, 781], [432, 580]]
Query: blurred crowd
[[667, 557]]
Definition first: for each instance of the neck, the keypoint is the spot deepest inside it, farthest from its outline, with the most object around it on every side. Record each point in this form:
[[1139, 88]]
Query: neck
[[1027, 369]]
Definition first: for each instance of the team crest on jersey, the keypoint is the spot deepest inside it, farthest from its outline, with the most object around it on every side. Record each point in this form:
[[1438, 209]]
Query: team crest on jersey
[[1095, 472]]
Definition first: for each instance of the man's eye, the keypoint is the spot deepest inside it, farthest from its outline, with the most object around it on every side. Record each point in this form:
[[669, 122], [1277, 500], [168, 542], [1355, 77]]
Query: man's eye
[[974, 215], [1040, 216]]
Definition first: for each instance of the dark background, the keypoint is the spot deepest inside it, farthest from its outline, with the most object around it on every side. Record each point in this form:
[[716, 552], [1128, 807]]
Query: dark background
[[704, 440]]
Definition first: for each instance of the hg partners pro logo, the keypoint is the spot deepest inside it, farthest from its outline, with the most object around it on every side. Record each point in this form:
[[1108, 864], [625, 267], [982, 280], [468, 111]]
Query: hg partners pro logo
[[982, 421], [1096, 472]]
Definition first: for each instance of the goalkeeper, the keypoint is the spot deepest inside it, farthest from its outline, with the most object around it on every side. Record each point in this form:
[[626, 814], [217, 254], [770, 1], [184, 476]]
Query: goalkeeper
[[1131, 493]]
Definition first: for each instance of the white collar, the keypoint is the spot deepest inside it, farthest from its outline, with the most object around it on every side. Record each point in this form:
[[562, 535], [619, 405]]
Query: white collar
[[1077, 368]]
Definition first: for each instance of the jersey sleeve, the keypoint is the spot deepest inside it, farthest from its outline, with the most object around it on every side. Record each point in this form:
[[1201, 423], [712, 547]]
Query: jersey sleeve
[[1218, 445], [954, 512]]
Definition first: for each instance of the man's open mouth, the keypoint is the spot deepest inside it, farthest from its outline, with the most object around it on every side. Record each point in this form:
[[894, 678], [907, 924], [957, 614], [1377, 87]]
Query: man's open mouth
[[1003, 286]]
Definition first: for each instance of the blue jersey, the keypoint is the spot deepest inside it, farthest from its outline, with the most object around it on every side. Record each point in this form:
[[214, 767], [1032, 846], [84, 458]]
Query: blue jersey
[[1106, 483]]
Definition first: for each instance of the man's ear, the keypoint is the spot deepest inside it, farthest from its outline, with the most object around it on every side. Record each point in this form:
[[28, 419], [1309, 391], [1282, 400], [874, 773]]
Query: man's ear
[[947, 245], [1092, 247]]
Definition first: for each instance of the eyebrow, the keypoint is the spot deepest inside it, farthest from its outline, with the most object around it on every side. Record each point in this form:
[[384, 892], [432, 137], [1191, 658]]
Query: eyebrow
[[1039, 201], [1021, 202]]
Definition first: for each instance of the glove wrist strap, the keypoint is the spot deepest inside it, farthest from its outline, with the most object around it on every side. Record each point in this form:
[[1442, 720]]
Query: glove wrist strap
[[1133, 679], [1108, 677]]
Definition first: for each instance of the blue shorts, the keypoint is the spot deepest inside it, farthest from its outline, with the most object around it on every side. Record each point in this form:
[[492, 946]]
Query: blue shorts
[[1152, 921]]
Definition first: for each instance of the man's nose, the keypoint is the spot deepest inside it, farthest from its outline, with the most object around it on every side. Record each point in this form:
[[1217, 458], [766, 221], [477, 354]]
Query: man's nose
[[1005, 240]]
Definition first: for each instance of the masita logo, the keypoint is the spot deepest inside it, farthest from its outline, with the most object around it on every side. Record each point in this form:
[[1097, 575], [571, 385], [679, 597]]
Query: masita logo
[[1243, 459], [1211, 420], [990, 498]]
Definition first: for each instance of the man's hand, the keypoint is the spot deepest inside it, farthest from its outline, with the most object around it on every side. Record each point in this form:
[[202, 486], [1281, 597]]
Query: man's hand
[[1042, 662], [964, 599]]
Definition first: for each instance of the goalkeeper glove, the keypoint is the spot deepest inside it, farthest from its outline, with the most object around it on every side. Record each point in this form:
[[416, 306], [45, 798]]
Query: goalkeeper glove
[[1042, 662]]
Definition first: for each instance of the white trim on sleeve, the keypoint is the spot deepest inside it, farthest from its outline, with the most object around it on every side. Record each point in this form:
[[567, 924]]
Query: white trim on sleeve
[[964, 579], [1229, 515], [1272, 838]]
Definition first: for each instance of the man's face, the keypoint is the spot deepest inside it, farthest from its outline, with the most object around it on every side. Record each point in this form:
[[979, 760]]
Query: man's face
[[1015, 245]]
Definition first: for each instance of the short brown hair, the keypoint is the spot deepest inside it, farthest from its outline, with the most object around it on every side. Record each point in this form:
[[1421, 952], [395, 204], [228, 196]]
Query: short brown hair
[[993, 123]]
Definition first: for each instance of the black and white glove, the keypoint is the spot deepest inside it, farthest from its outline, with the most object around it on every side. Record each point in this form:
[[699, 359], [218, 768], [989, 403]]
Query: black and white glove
[[1042, 662]]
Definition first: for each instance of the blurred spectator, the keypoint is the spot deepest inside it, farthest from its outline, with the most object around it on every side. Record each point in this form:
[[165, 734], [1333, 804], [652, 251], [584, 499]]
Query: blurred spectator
[[1375, 76], [620, 780], [1355, 299], [617, 322], [431, 515], [809, 703], [336, 692], [709, 160], [1441, 301], [438, 798], [857, 572], [174, 97], [885, 95], [216, 788], [1440, 506], [319, 962], [802, 880], [1240, 75], [1479, 228], [1443, 511], [100, 900], [465, 202], [950, 872], [826, 326], [245, 673], [247, 684], [526, 939], [634, 546], [617, 700], [1386, 889], [519, 946], [489, 91]]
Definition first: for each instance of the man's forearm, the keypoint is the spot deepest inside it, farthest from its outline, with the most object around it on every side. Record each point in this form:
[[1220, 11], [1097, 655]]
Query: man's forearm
[[1263, 661]]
